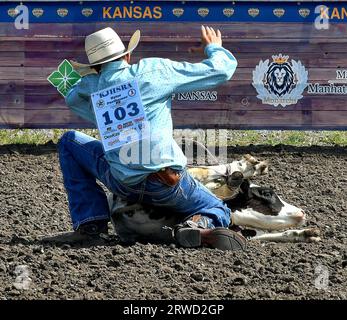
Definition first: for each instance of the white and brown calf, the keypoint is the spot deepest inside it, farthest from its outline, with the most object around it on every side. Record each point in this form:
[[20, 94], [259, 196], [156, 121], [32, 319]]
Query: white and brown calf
[[256, 211], [224, 180]]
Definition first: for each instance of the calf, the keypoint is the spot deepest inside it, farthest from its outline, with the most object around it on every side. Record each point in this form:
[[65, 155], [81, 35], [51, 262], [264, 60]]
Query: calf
[[224, 180], [254, 209]]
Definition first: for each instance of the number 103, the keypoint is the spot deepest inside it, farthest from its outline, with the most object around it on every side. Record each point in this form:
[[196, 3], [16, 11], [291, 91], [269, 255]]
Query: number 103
[[120, 113]]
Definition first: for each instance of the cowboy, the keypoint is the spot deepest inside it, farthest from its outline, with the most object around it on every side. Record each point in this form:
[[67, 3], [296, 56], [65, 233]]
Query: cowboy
[[162, 181]]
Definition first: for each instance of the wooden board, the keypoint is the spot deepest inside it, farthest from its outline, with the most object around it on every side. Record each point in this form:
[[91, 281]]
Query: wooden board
[[156, 31]]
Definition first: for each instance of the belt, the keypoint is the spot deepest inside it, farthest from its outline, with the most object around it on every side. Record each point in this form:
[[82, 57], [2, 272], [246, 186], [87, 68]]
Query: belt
[[166, 176]]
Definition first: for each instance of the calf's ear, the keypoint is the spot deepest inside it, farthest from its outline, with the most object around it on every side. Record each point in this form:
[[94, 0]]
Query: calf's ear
[[251, 159], [245, 185]]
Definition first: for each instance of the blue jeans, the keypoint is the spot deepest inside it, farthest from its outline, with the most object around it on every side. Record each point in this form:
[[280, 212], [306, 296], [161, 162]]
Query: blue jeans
[[82, 161]]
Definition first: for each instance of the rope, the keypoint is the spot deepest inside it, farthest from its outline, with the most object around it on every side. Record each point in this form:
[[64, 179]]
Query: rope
[[201, 145]]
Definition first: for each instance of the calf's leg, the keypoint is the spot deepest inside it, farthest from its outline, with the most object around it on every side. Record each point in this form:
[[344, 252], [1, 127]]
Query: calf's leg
[[304, 235]]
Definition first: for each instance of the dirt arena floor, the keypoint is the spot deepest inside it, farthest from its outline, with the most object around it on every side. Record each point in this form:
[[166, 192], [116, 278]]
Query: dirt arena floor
[[33, 203]]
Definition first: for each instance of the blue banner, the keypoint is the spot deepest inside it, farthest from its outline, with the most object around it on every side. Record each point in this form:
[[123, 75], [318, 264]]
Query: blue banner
[[176, 11]]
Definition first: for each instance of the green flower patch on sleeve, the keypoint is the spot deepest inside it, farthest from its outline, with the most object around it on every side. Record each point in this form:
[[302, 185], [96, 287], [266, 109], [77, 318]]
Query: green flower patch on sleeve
[[64, 78]]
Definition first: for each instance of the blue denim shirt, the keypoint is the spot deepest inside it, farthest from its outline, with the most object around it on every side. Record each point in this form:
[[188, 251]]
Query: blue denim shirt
[[158, 80]]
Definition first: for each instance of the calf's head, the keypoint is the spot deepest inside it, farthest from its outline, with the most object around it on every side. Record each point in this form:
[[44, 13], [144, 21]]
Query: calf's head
[[225, 180], [261, 208], [249, 166]]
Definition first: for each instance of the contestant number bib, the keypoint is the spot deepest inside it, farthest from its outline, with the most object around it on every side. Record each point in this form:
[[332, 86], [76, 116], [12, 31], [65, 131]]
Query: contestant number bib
[[119, 115]]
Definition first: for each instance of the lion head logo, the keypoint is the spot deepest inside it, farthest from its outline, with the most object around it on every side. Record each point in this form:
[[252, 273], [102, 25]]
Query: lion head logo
[[280, 82], [280, 79]]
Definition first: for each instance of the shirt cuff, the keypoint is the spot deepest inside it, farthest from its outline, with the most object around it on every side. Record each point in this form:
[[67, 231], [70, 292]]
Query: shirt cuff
[[210, 48]]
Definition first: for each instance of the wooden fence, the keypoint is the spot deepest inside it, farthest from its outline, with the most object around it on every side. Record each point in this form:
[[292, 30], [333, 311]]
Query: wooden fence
[[28, 56]]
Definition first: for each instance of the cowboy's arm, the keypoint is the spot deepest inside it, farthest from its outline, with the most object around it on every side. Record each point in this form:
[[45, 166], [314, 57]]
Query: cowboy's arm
[[78, 98], [218, 68]]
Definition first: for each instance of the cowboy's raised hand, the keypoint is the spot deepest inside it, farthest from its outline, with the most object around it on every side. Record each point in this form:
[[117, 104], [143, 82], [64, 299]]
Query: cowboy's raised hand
[[208, 36]]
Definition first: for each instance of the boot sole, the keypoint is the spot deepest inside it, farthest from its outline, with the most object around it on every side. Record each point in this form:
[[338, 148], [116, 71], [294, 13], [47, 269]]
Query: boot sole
[[218, 238], [224, 239], [71, 238], [188, 237]]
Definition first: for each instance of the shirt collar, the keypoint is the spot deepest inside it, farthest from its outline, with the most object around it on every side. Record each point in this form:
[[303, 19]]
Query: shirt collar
[[115, 65]]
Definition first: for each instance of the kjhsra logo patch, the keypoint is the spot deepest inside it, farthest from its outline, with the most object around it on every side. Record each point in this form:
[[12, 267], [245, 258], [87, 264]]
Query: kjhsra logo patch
[[280, 82]]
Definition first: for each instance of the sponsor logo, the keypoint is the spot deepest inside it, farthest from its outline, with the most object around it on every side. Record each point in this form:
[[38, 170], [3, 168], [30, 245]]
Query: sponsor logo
[[140, 126], [335, 86], [196, 96], [111, 143], [12, 12], [114, 134], [132, 12], [139, 119], [279, 12], [87, 12], [304, 12], [64, 77], [131, 92], [62, 12], [38, 12], [127, 124], [228, 12], [280, 82], [203, 12], [253, 12], [100, 103], [178, 12]]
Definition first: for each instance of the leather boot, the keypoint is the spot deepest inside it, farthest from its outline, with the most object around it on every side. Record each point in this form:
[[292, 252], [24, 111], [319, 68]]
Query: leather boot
[[88, 232], [199, 231]]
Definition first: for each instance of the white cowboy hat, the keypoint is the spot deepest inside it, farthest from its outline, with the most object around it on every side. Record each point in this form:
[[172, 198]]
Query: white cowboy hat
[[105, 45]]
